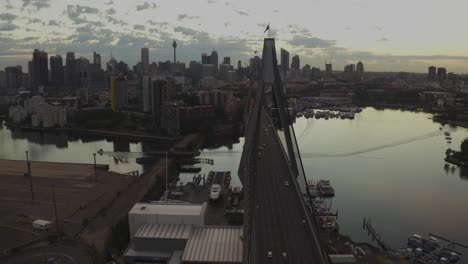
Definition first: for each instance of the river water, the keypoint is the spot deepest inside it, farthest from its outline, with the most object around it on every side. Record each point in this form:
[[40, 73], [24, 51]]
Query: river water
[[385, 164]]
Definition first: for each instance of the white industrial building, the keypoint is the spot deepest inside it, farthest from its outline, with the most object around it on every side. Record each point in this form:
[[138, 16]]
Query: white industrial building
[[175, 233], [42, 114]]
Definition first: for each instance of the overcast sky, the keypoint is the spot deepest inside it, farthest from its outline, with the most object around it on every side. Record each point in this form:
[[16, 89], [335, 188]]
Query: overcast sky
[[397, 35]]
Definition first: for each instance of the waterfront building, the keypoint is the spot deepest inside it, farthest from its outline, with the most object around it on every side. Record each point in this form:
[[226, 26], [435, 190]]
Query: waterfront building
[[145, 59], [118, 93]]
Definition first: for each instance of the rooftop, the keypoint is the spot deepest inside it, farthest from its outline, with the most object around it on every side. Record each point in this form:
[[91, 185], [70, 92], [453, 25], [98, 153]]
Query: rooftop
[[211, 244], [168, 209], [167, 231]]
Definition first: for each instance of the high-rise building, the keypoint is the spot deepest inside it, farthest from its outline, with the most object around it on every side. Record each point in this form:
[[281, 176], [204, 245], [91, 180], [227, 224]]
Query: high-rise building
[[239, 65], [205, 58], [306, 72], [57, 74], [432, 74], [348, 72], [295, 62], [146, 96], [284, 60], [315, 74], [360, 71], [118, 93], [70, 69], [227, 60], [441, 74], [145, 59], [328, 71], [97, 59], [40, 68], [13, 77], [160, 94], [196, 71], [214, 59]]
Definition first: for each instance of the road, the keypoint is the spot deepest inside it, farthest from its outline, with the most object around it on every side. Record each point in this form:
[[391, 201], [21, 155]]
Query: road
[[277, 223]]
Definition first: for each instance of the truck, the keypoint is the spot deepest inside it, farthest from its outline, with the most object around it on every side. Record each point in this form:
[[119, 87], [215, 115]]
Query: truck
[[41, 224]]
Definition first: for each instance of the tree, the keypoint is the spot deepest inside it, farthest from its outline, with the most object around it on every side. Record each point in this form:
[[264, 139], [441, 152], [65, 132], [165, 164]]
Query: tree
[[464, 147]]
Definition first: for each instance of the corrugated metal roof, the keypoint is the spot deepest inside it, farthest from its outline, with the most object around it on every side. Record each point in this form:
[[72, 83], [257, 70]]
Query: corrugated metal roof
[[170, 231], [168, 209], [214, 244]]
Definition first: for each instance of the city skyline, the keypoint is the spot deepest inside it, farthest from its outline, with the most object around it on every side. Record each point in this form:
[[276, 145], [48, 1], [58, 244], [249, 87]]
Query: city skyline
[[353, 31]]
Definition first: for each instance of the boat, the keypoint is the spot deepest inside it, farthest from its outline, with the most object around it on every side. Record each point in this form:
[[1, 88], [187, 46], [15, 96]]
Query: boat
[[415, 241], [215, 192], [313, 191], [325, 189]]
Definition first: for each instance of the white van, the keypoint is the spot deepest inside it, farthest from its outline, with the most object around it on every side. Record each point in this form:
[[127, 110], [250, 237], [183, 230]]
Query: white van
[[41, 224]]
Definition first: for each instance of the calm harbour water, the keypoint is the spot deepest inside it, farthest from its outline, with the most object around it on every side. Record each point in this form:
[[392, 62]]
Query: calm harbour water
[[385, 164]]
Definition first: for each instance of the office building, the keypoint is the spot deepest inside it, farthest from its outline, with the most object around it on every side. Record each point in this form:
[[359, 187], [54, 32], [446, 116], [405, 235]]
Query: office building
[[441, 74], [315, 74], [13, 77], [70, 69], [295, 62], [97, 59], [146, 95], [160, 93], [306, 72], [118, 93], [208, 70], [145, 59], [239, 65], [196, 72], [227, 60], [284, 60], [349, 72], [205, 58], [40, 68], [328, 71], [432, 74], [214, 60], [57, 73]]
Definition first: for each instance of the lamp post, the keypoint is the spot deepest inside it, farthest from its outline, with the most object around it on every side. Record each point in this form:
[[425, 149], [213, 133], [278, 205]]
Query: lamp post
[[30, 176], [95, 174]]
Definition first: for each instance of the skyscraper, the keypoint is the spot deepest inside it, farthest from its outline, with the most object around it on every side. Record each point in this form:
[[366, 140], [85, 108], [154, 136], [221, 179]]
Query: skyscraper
[[227, 60], [40, 68], [284, 60], [70, 69], [97, 59], [360, 71], [296, 62], [14, 77], [56, 70], [432, 74], [205, 58], [145, 59], [328, 71], [214, 59], [441, 74]]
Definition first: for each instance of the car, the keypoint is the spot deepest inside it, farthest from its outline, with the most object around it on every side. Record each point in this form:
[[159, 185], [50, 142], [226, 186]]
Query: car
[[284, 256], [286, 183], [259, 155], [270, 254]]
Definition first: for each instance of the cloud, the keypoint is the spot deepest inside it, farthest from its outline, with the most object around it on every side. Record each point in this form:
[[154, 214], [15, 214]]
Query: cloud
[[110, 11], [139, 27], [36, 3], [311, 42], [181, 17], [8, 27], [156, 23], [116, 21], [7, 17], [34, 21], [109, 3], [383, 39], [143, 6], [54, 23], [227, 24], [74, 12], [240, 12]]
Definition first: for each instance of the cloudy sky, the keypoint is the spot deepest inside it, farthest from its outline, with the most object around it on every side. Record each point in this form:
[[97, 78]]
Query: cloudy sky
[[397, 35]]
